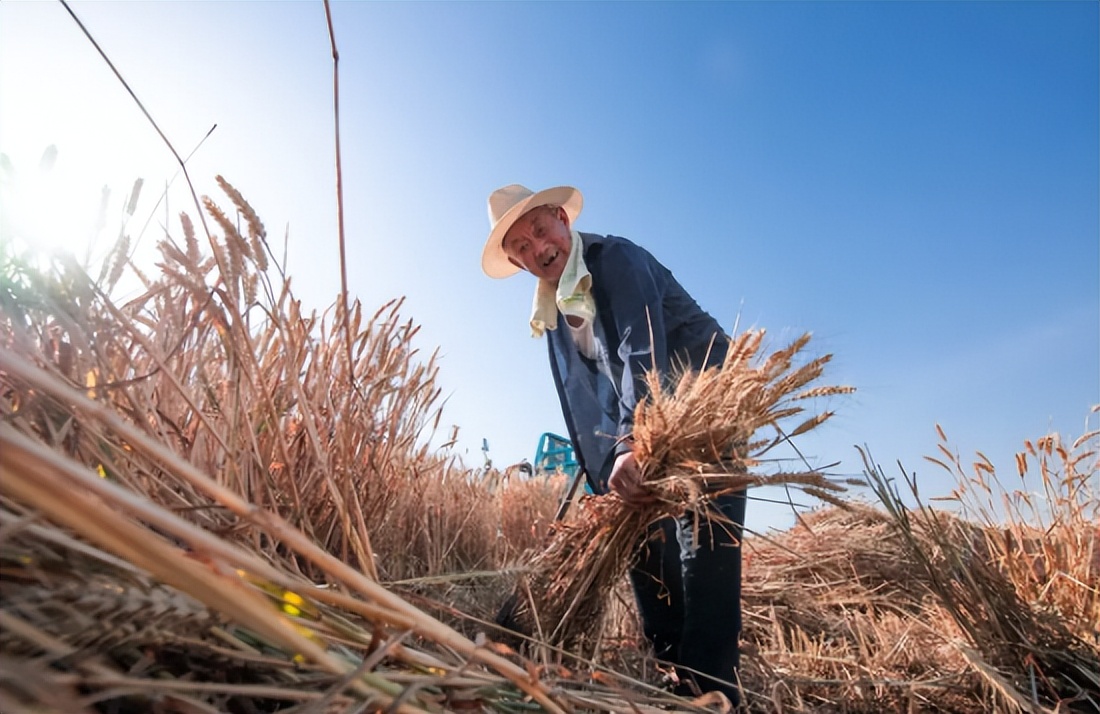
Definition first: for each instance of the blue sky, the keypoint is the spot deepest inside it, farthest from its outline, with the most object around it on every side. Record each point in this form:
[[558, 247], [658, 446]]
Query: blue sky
[[915, 183]]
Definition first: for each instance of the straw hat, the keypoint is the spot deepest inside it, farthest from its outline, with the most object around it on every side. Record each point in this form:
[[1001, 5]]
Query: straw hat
[[506, 205]]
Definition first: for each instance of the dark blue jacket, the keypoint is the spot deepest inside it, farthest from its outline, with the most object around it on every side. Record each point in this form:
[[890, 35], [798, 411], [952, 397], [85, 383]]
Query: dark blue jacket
[[635, 297]]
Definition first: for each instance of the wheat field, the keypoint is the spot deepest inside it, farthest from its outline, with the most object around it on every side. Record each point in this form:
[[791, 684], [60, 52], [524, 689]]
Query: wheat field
[[215, 500]]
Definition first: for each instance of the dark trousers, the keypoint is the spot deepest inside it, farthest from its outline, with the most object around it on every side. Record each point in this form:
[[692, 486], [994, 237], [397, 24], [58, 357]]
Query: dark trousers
[[687, 583]]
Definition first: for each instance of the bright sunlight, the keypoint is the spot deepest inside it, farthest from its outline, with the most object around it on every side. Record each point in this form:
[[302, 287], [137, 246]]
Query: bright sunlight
[[56, 207]]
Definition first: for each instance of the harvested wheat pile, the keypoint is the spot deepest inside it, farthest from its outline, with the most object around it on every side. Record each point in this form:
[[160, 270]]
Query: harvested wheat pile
[[838, 617], [857, 610]]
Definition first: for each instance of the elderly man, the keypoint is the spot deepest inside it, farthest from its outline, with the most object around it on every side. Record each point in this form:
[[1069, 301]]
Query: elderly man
[[610, 312]]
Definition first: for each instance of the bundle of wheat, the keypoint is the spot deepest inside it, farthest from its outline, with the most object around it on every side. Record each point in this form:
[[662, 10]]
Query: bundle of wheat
[[693, 441]]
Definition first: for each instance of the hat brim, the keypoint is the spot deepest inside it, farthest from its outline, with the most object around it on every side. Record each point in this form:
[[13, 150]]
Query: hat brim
[[494, 261]]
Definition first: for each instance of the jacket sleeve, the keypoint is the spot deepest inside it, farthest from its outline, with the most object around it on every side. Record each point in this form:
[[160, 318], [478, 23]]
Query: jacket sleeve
[[634, 284]]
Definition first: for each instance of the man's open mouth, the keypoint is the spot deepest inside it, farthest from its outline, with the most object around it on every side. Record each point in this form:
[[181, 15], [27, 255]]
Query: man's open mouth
[[550, 259]]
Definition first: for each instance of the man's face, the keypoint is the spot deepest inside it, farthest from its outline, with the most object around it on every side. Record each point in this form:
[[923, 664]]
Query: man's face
[[539, 242]]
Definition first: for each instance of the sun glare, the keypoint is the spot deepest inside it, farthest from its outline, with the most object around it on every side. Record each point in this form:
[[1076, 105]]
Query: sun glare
[[55, 207]]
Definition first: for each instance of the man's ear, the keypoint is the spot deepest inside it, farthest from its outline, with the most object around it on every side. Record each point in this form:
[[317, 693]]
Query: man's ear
[[564, 217]]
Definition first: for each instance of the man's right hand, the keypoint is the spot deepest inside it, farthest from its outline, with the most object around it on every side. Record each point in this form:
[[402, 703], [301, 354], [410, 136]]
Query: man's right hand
[[626, 481]]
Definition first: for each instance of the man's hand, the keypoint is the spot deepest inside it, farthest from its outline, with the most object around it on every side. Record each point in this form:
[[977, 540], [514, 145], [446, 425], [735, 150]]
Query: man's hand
[[626, 480]]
